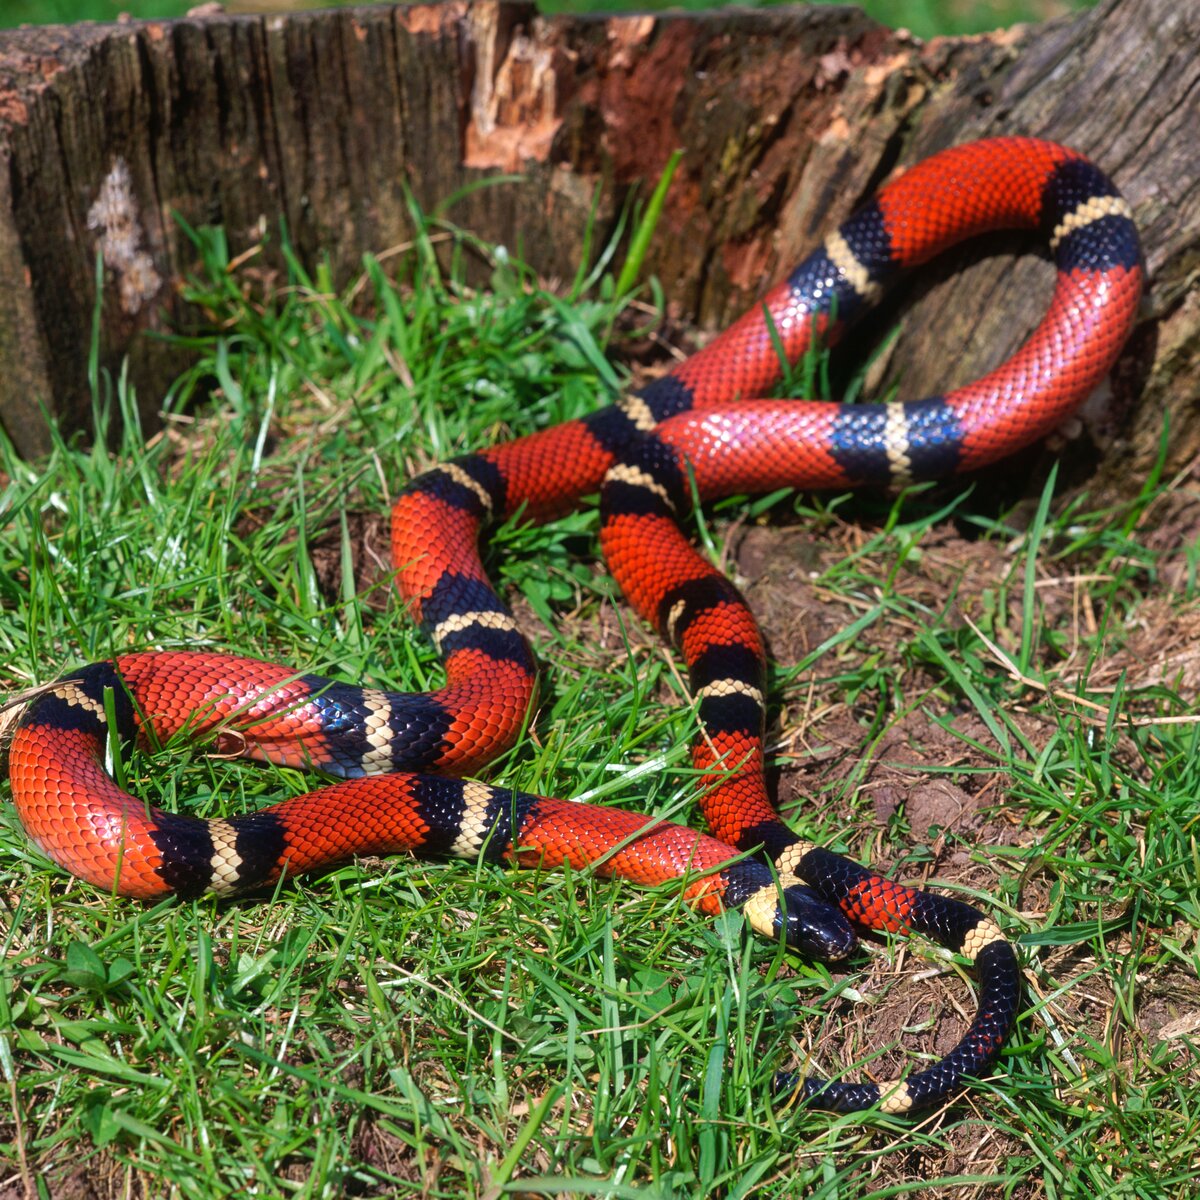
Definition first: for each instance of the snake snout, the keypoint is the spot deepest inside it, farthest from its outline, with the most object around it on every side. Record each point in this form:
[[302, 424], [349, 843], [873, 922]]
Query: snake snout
[[814, 926]]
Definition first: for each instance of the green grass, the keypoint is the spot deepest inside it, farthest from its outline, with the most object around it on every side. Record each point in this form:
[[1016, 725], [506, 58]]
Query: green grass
[[926, 18], [445, 1030]]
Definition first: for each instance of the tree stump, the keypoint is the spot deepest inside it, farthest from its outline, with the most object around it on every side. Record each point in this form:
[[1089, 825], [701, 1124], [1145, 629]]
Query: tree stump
[[787, 119]]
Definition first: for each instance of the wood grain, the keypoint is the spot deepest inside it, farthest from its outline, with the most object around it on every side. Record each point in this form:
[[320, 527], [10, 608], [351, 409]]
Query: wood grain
[[788, 118]]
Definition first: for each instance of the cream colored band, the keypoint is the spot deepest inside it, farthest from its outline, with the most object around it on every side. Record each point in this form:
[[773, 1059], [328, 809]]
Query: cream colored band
[[895, 441], [462, 621], [731, 687], [1087, 212], [455, 472], [638, 411], [226, 863], [636, 477], [379, 732], [71, 693], [787, 862], [475, 826], [843, 258], [895, 1097], [984, 934], [761, 910]]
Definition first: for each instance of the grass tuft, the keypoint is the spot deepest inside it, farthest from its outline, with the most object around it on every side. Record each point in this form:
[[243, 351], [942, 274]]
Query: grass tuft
[[997, 702]]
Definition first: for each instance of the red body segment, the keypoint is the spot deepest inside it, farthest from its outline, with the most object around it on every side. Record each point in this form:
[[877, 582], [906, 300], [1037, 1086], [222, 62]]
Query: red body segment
[[980, 187], [548, 473], [1062, 363], [429, 539]]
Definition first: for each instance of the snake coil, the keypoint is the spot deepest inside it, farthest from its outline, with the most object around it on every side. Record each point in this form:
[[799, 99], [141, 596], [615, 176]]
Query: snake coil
[[400, 756]]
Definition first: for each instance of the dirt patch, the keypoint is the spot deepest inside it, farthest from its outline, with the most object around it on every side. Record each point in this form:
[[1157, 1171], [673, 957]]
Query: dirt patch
[[369, 535], [100, 1177], [1162, 650]]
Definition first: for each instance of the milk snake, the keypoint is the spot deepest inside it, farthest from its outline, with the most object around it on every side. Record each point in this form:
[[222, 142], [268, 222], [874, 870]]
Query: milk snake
[[698, 427]]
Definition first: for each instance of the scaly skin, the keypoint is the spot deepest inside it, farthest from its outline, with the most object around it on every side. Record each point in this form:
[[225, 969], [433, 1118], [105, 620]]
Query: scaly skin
[[698, 425]]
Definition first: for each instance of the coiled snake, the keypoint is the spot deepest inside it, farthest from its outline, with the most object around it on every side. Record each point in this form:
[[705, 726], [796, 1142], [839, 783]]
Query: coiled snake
[[400, 756]]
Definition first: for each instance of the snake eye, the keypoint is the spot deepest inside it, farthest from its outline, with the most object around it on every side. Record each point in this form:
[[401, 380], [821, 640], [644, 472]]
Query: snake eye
[[813, 926]]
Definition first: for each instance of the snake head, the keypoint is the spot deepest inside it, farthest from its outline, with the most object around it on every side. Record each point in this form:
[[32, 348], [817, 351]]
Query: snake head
[[813, 926]]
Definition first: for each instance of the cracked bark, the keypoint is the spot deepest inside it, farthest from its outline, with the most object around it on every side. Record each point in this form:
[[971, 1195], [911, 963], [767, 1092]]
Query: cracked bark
[[787, 118]]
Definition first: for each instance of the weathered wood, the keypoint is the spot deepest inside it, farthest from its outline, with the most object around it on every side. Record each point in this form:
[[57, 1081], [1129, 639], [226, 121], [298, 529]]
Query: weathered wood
[[788, 118]]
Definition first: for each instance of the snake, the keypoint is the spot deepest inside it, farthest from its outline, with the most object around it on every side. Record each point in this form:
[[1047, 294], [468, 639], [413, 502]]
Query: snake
[[404, 765]]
